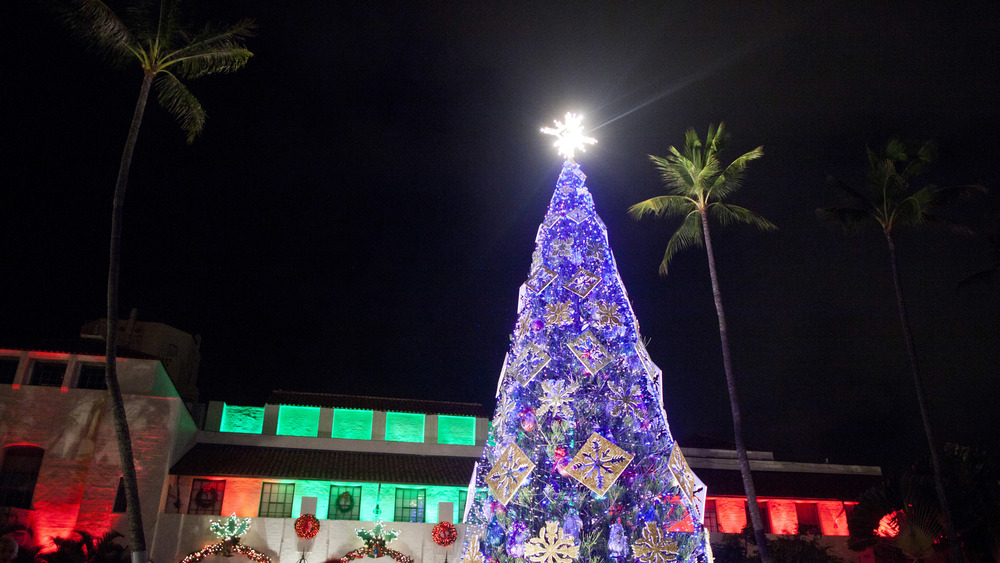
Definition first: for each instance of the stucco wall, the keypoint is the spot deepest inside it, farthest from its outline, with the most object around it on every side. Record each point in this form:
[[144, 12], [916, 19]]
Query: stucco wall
[[78, 478]]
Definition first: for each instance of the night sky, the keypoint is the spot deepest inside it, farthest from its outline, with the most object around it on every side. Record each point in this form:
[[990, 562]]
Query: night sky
[[361, 209]]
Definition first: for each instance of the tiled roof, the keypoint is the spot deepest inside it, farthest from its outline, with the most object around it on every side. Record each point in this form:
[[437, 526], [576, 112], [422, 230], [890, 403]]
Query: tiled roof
[[781, 484], [329, 400], [225, 460]]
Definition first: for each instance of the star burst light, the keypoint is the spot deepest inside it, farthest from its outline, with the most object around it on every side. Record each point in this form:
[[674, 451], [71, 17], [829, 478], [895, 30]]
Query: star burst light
[[569, 135]]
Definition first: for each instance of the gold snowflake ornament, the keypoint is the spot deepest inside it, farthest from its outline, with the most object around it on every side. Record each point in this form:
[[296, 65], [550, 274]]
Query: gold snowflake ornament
[[472, 553], [598, 464], [551, 546], [508, 473], [558, 313], [654, 546]]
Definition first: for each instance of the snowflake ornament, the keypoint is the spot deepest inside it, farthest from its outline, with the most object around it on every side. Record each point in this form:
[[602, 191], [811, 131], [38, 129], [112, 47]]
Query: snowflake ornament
[[558, 313], [530, 361], [562, 247], [589, 350], [472, 552], [540, 278], [557, 398], [607, 314], [551, 546], [625, 402], [569, 135], [508, 473], [654, 546], [583, 282], [598, 464]]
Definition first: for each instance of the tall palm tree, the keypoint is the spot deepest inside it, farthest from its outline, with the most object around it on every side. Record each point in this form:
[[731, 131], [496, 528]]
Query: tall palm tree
[[697, 184], [889, 202], [149, 33]]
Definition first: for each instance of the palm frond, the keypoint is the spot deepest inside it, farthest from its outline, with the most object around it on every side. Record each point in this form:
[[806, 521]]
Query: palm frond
[[213, 51], [728, 214], [731, 178], [688, 234], [675, 171], [100, 27], [181, 103], [850, 219], [662, 206]]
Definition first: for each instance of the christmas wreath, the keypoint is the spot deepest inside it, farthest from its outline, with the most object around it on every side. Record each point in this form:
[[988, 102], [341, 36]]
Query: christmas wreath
[[206, 497], [345, 502], [444, 533], [306, 526]]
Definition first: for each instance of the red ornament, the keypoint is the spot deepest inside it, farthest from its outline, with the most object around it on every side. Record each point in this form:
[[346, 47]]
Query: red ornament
[[444, 533], [306, 526]]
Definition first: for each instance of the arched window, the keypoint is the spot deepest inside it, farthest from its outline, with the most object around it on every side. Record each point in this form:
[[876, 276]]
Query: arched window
[[18, 475]]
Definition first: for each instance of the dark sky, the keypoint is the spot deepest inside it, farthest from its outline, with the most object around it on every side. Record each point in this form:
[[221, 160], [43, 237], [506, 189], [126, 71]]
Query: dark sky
[[361, 208]]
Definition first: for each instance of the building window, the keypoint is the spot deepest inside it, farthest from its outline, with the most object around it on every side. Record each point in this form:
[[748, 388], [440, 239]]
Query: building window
[[49, 374], [345, 503], [206, 496], [120, 503], [18, 475], [91, 377], [462, 496], [765, 520], [276, 500], [808, 515], [410, 505], [711, 516], [8, 369]]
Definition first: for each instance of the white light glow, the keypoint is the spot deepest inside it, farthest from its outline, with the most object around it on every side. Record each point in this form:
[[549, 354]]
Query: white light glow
[[569, 135]]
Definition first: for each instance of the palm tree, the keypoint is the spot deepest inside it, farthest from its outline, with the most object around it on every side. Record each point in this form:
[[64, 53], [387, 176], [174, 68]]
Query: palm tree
[[149, 33], [889, 202], [697, 183]]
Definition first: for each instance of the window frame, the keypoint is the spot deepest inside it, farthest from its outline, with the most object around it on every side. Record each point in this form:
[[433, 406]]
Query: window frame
[[40, 371], [215, 491], [403, 511], [287, 494], [333, 510]]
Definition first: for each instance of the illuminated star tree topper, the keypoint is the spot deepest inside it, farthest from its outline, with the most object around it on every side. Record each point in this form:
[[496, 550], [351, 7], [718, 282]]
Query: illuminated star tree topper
[[569, 135]]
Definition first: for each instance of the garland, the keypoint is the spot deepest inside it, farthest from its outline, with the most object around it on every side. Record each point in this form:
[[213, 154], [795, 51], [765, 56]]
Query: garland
[[227, 549], [444, 533], [306, 526]]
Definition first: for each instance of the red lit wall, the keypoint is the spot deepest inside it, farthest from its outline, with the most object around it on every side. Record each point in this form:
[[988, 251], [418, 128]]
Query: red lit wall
[[784, 519], [730, 513]]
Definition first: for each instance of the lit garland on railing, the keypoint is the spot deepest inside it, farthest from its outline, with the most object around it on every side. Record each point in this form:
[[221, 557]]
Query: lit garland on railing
[[226, 549], [229, 531], [375, 540]]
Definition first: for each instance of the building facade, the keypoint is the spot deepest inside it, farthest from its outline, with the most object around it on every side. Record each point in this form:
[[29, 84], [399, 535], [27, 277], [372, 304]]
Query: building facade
[[347, 460]]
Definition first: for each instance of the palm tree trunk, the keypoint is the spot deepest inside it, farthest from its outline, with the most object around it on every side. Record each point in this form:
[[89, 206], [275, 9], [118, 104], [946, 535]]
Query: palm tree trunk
[[949, 523], [137, 535], [734, 403]]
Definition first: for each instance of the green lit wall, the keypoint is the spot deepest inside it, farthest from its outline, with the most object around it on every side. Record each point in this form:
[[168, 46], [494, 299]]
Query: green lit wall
[[459, 430], [404, 427], [249, 420], [370, 497], [352, 424], [298, 421]]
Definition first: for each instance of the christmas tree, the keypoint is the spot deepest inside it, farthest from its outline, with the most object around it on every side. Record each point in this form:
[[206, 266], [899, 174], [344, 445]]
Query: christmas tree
[[579, 464]]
